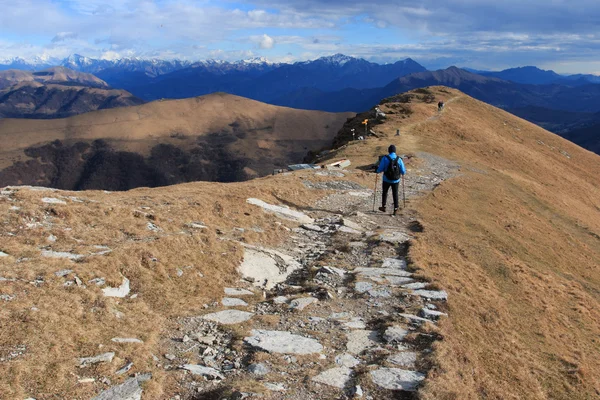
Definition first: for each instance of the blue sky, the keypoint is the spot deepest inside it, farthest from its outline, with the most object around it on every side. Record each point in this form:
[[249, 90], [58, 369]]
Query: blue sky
[[563, 35]]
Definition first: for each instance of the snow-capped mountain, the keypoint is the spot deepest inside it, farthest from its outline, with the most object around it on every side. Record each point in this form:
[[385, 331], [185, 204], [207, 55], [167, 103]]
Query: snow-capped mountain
[[150, 67], [255, 78], [336, 59], [34, 64]]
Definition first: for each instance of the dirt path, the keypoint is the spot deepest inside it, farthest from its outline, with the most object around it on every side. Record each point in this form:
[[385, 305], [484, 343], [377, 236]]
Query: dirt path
[[437, 116]]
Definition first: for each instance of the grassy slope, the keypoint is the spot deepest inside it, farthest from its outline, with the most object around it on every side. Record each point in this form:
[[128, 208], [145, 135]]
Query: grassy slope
[[518, 249], [515, 241], [161, 119], [73, 322], [267, 134]]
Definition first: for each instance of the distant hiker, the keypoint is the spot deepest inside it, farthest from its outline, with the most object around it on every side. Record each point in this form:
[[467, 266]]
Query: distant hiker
[[393, 169], [440, 106]]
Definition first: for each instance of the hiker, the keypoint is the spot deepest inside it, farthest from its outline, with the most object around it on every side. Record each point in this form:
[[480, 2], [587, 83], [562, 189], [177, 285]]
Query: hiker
[[440, 106], [393, 170]]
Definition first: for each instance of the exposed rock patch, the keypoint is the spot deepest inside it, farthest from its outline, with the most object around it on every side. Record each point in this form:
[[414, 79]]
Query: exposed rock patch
[[229, 317], [283, 342], [119, 292], [397, 379]]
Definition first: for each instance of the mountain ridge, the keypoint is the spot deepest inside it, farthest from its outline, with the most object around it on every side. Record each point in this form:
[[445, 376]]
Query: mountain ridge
[[218, 137], [53, 75]]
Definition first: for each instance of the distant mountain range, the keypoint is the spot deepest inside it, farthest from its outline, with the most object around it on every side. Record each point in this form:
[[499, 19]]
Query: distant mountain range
[[57, 92], [341, 83], [156, 67], [270, 82], [536, 76], [57, 75]]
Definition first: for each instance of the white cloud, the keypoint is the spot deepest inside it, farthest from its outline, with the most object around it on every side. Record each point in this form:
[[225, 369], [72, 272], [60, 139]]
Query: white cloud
[[266, 42], [478, 31], [63, 36]]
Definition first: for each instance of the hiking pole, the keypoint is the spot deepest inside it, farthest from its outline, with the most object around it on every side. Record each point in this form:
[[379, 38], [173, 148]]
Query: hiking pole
[[403, 192], [375, 191]]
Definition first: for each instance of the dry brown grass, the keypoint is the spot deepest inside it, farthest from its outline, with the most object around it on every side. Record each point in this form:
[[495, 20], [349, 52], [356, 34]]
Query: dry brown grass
[[514, 240], [76, 322]]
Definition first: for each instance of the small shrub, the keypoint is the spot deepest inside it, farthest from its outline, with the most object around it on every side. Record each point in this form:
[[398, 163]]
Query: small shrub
[[423, 91], [428, 98]]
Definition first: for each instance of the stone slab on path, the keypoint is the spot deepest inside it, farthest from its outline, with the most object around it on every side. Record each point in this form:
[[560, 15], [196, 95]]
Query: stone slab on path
[[406, 359], [283, 342], [352, 225], [312, 227], [397, 379], [380, 272], [237, 292], [275, 387], [363, 287], [394, 263], [415, 286], [432, 294], [380, 293], [346, 360], [266, 268], [258, 369], [229, 317], [201, 370], [333, 270], [128, 390], [414, 318], [282, 211], [233, 302], [431, 314], [361, 340], [395, 334], [337, 377], [394, 237], [397, 280], [347, 229], [355, 323], [301, 303], [280, 300]]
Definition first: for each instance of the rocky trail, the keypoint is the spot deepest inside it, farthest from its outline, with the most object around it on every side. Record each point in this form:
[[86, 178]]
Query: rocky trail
[[334, 312]]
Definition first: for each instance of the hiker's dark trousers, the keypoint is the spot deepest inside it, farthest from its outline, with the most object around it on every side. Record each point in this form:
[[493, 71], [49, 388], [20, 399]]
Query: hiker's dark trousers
[[386, 187]]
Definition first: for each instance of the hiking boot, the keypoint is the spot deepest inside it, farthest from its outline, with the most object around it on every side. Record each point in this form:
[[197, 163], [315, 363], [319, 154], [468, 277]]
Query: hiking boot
[[382, 209], [395, 210]]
